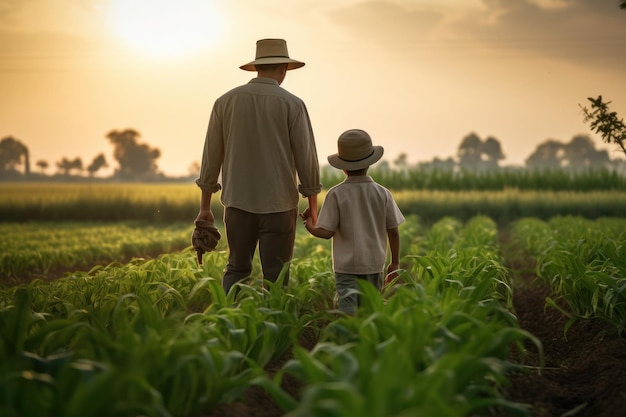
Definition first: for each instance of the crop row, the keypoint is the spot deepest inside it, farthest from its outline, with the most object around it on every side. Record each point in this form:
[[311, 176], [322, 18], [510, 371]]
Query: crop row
[[160, 338], [35, 249], [438, 179], [584, 262], [168, 203]]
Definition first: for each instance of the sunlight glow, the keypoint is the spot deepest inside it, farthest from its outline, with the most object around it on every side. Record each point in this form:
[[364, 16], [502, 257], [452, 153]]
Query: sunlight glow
[[167, 27]]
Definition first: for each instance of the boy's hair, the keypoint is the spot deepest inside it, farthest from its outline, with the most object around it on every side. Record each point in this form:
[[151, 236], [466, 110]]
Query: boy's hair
[[357, 172]]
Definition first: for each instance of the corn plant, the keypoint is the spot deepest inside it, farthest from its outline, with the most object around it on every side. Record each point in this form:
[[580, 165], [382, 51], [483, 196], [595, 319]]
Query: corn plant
[[584, 262], [436, 344]]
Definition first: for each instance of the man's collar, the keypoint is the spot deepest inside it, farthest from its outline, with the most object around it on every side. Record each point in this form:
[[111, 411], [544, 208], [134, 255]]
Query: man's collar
[[262, 80]]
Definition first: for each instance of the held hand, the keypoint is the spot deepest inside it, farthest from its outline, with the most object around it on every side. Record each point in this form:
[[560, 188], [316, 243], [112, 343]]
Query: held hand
[[306, 213]]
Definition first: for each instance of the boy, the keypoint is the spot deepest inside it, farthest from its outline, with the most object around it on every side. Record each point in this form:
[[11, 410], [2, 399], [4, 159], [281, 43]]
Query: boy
[[361, 216]]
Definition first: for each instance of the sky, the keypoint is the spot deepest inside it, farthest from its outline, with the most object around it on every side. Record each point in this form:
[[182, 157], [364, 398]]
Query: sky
[[418, 75]]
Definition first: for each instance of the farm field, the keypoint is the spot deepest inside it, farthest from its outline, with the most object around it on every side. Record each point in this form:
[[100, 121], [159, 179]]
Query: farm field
[[526, 318], [172, 203]]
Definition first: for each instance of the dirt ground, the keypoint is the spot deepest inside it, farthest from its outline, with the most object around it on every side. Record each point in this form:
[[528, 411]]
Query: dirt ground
[[583, 375], [584, 372]]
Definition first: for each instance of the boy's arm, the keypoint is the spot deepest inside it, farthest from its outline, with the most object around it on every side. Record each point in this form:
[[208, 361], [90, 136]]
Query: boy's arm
[[310, 225], [394, 247]]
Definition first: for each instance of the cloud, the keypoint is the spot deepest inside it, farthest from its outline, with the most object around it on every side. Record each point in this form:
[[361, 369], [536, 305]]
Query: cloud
[[384, 21], [579, 31]]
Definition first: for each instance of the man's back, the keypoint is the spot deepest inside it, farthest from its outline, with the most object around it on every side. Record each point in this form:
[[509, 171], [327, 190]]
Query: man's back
[[265, 136]]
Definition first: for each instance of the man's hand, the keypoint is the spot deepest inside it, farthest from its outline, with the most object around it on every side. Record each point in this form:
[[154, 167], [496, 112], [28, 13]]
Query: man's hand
[[206, 215]]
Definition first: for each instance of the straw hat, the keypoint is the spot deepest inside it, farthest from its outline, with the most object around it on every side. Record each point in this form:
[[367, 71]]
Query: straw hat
[[272, 51], [355, 151]]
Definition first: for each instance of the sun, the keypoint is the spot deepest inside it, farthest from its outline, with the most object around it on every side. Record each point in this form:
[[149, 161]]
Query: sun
[[167, 27]]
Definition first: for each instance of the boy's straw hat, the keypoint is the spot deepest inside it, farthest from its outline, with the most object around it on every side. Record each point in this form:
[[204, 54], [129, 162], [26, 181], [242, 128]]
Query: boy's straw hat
[[272, 51], [355, 151]]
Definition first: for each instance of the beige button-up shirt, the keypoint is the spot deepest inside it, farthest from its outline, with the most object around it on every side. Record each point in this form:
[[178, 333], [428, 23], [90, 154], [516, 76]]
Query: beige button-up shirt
[[359, 211], [261, 140]]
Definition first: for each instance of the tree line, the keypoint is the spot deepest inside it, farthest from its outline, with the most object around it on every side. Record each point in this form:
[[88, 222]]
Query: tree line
[[135, 161], [138, 161]]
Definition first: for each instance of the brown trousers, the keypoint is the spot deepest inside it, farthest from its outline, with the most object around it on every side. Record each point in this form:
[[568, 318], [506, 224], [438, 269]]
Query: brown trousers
[[274, 233]]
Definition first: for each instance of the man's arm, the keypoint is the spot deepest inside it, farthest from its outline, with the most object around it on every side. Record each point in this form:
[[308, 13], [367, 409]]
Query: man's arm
[[205, 212], [313, 208]]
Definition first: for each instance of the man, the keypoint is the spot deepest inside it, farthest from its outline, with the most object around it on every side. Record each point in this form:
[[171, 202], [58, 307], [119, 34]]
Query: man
[[261, 140]]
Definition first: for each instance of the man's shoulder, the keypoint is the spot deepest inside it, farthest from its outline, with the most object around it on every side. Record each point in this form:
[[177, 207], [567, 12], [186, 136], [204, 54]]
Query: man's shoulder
[[234, 90], [256, 88]]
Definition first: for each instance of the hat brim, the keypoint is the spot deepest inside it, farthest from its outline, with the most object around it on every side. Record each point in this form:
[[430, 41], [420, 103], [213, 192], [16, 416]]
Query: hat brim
[[339, 163], [291, 63]]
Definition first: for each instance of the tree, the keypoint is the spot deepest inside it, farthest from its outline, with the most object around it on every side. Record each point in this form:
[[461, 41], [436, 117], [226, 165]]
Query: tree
[[401, 161], [66, 166], [547, 155], [194, 169], [582, 153], [470, 151], [13, 153], [492, 152], [136, 161], [473, 153], [42, 165], [98, 163], [579, 153], [605, 122]]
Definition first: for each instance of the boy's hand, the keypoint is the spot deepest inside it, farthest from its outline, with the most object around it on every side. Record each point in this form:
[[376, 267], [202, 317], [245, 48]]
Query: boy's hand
[[305, 214], [391, 272]]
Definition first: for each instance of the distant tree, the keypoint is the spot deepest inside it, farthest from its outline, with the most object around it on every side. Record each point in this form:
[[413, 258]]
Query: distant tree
[[13, 153], [136, 161], [623, 5], [605, 122], [194, 169], [581, 152], [66, 166], [547, 155], [492, 152], [473, 153], [470, 151], [98, 163], [42, 165], [401, 161]]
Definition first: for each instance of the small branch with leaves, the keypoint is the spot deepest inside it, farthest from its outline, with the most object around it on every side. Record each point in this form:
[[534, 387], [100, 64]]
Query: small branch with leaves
[[605, 122]]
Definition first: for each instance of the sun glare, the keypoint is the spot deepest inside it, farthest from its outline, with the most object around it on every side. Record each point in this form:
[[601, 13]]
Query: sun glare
[[167, 27]]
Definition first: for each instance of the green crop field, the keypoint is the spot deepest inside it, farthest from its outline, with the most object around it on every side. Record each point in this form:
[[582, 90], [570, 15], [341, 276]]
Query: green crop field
[[114, 317], [171, 203], [172, 343]]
